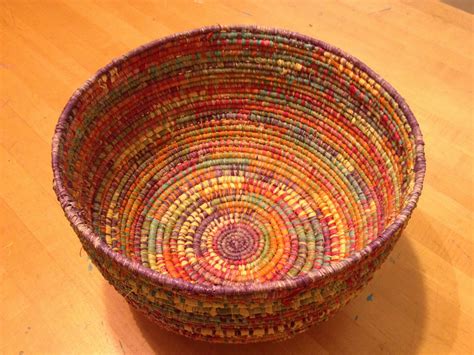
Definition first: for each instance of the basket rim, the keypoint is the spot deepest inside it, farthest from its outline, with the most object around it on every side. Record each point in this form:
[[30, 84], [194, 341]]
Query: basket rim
[[74, 215]]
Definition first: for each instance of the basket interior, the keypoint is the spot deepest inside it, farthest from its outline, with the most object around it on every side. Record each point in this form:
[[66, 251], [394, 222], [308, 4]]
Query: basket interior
[[232, 156]]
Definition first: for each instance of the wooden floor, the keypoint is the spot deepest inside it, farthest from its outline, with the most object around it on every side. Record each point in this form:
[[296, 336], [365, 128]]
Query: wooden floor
[[52, 300]]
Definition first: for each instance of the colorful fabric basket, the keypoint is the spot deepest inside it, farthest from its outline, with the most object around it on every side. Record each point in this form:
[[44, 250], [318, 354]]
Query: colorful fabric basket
[[237, 184]]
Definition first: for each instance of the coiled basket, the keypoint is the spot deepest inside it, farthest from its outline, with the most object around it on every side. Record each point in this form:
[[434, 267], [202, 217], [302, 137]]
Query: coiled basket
[[237, 184]]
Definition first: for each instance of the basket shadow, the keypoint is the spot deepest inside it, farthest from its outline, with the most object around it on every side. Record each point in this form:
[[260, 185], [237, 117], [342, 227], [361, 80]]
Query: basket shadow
[[388, 316]]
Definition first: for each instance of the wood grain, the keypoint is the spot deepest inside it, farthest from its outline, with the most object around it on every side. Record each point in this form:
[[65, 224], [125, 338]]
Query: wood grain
[[53, 301]]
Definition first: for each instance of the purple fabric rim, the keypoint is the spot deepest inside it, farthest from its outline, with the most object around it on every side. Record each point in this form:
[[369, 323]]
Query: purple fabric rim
[[75, 217]]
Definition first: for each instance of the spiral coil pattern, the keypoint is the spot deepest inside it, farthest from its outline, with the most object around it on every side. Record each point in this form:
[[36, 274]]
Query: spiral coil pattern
[[236, 157]]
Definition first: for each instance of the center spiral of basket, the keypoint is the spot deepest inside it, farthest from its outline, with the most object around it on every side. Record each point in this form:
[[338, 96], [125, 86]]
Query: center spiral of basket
[[235, 243]]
